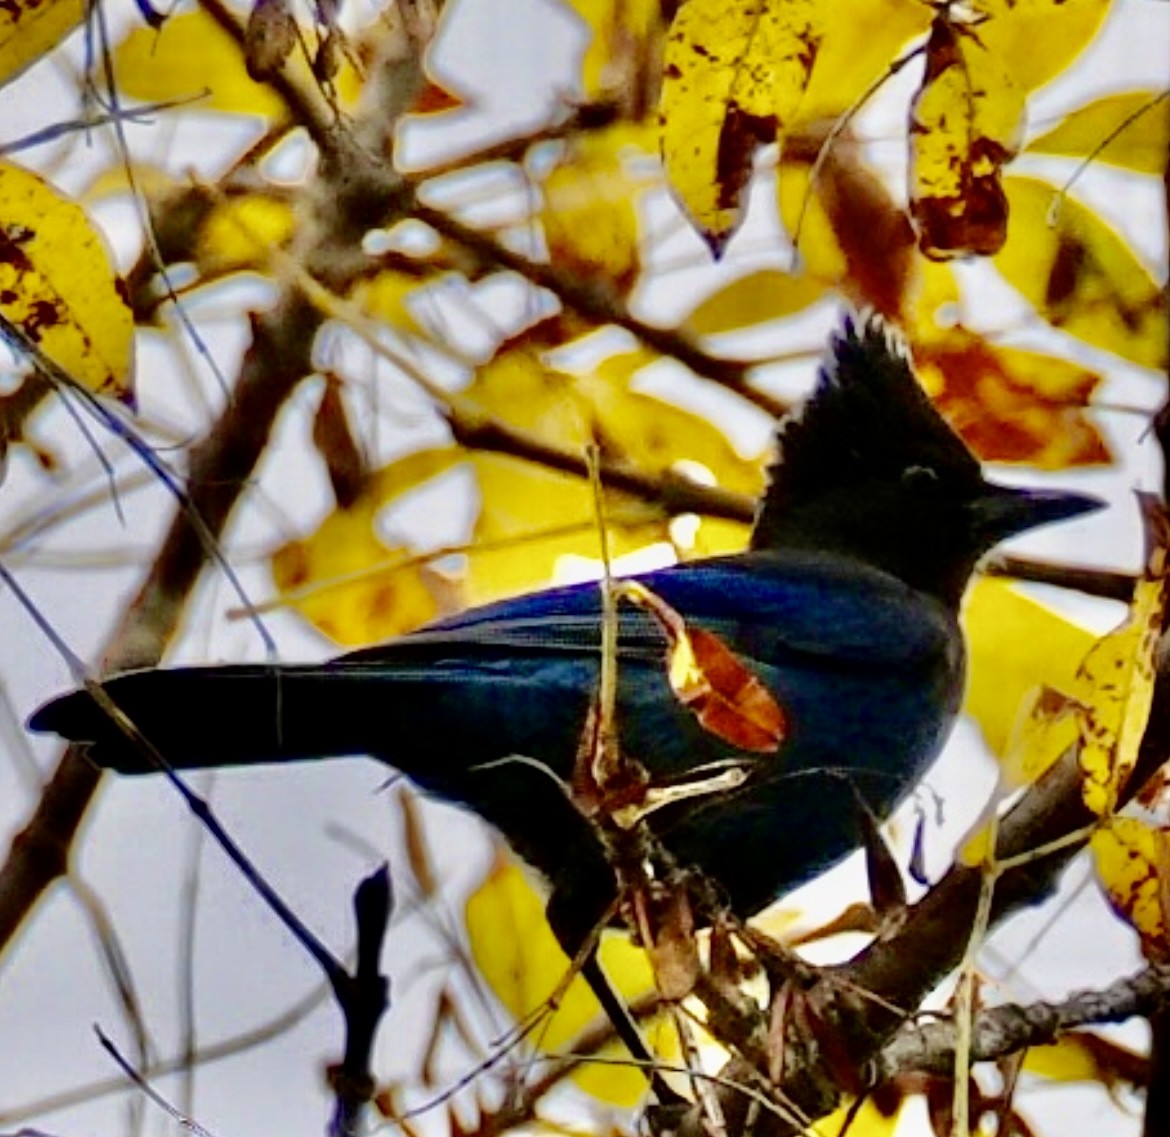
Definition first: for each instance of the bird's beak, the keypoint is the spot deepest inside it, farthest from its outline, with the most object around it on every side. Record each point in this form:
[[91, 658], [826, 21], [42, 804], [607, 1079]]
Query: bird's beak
[[1002, 511]]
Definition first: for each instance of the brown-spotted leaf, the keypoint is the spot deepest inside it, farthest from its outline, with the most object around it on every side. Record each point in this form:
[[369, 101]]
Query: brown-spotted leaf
[[1116, 678], [1012, 405], [58, 284], [32, 28], [1081, 275], [1133, 866], [966, 123], [733, 78], [1130, 131]]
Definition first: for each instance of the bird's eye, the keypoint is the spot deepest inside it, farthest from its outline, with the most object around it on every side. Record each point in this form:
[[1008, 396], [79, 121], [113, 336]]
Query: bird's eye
[[919, 477]]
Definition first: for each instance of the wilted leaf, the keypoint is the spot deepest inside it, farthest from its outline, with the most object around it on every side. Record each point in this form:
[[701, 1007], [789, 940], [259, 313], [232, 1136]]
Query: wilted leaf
[[1015, 644], [523, 964], [1011, 405], [58, 285], [32, 28], [239, 233], [334, 439], [349, 583], [1131, 131], [728, 700], [590, 214], [667, 927], [849, 231], [1133, 864], [1035, 40], [1081, 276], [760, 296], [966, 123], [733, 78], [269, 38]]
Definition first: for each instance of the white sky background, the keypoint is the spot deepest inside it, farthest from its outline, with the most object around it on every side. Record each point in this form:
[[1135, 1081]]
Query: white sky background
[[515, 56]]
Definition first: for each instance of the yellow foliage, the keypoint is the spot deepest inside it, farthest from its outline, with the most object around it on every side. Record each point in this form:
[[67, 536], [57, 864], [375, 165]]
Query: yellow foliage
[[188, 57], [1131, 131], [1015, 645], [1081, 276], [530, 517], [57, 284], [1035, 40], [760, 296], [346, 581], [590, 215], [239, 232], [523, 964], [615, 25], [31, 28], [860, 40]]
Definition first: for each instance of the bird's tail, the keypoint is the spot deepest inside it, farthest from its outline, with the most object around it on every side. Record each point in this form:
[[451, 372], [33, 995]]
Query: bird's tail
[[223, 716]]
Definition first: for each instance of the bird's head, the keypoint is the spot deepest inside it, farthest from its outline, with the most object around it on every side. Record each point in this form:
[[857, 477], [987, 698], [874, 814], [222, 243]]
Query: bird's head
[[868, 469]]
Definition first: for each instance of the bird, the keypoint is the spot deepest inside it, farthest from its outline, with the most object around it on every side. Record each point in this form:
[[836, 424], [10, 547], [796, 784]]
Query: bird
[[844, 605]]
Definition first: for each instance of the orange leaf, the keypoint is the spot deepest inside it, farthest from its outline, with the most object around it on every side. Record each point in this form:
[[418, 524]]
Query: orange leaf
[[727, 699], [1011, 405]]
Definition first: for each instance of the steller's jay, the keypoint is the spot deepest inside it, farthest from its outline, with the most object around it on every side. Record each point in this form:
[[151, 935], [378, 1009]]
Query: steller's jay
[[845, 606]]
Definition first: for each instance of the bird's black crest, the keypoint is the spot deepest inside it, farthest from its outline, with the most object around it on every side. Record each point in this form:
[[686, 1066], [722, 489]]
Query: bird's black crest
[[867, 419]]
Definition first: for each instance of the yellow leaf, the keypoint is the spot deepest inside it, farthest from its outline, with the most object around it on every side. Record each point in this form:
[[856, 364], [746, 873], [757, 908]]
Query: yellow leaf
[[1035, 40], [189, 56], [1116, 680], [1081, 276], [31, 28], [350, 584], [860, 39], [523, 964], [868, 1121], [1015, 645], [966, 123], [1131, 131], [57, 284], [620, 28], [733, 78], [386, 297], [760, 296], [589, 215], [1133, 864], [1087, 1057], [530, 517], [239, 232]]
